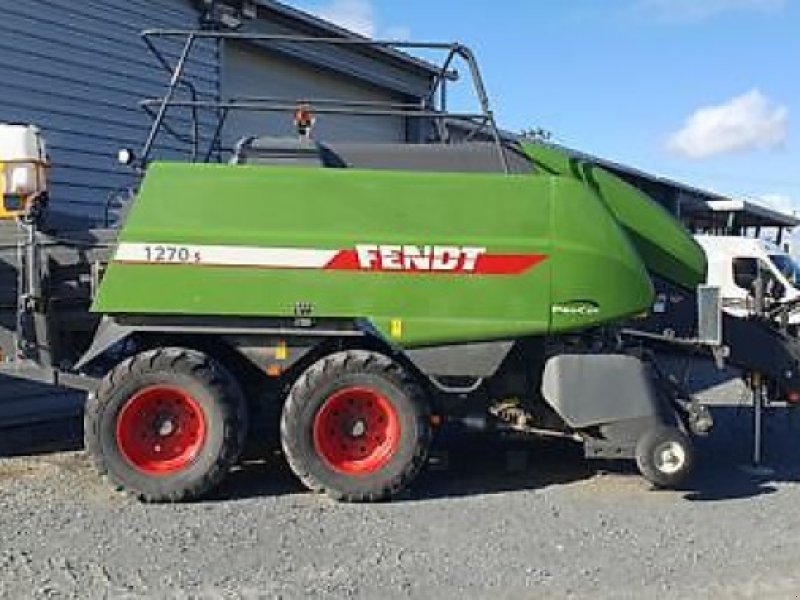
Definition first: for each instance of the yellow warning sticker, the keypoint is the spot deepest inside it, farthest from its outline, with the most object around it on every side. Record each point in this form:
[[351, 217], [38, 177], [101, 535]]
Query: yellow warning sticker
[[396, 328]]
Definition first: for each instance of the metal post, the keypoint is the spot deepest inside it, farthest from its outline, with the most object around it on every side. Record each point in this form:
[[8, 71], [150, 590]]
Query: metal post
[[756, 468], [758, 407], [483, 98], [162, 110], [214, 144]]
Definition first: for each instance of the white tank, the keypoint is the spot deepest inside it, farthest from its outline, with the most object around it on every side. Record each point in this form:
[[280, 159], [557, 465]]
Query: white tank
[[21, 143]]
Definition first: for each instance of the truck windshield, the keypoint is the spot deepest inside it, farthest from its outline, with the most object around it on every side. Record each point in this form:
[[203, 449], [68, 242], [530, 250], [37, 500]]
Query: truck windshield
[[788, 267]]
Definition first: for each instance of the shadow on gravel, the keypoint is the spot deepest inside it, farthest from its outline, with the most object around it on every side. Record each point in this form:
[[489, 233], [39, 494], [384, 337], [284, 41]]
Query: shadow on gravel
[[257, 478], [725, 458], [466, 465], [469, 465], [479, 465], [63, 435], [462, 465]]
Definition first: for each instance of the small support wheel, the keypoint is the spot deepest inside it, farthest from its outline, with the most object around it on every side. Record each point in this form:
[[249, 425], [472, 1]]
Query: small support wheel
[[166, 425], [665, 456], [356, 427]]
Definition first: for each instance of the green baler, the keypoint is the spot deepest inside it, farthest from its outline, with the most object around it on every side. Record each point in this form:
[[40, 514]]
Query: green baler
[[371, 304], [370, 294]]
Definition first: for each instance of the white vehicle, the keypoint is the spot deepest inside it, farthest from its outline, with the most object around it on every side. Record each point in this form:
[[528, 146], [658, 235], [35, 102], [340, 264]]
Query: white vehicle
[[734, 265]]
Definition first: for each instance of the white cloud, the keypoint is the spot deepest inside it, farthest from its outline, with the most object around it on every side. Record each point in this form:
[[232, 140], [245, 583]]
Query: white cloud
[[747, 122], [356, 15], [683, 11]]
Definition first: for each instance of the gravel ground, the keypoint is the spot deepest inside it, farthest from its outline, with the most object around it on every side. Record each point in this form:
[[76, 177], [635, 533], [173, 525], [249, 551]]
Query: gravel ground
[[485, 519]]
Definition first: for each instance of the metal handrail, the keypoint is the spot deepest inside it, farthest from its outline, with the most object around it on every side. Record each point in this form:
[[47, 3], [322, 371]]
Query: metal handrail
[[158, 108]]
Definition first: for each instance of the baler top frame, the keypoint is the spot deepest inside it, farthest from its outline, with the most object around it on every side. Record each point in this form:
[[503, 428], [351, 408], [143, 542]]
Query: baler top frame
[[433, 105]]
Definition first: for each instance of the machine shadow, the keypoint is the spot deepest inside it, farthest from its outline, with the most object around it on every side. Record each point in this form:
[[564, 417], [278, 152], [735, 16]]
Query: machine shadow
[[725, 466], [468, 465], [463, 465], [483, 465], [46, 437]]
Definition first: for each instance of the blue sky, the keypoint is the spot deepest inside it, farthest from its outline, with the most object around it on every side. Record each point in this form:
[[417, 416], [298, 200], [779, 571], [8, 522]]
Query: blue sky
[[703, 91]]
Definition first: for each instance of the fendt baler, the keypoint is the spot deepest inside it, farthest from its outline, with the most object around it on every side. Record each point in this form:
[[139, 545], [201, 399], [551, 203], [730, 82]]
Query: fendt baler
[[369, 293]]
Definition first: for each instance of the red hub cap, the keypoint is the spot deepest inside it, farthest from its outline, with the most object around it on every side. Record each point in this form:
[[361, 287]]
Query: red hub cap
[[161, 430], [356, 431]]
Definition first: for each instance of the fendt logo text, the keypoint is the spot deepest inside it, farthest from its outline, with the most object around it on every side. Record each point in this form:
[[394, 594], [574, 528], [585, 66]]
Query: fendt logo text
[[421, 259], [456, 259]]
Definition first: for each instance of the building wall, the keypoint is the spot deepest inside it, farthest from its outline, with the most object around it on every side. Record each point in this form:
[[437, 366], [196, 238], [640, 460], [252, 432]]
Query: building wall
[[250, 72], [78, 70]]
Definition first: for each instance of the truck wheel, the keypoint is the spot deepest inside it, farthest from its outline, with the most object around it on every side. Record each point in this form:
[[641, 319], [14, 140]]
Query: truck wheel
[[166, 425], [665, 456], [355, 427]]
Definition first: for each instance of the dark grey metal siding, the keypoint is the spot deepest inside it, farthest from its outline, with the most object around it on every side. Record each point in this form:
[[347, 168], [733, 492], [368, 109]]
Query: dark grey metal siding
[[251, 72], [303, 71], [78, 70]]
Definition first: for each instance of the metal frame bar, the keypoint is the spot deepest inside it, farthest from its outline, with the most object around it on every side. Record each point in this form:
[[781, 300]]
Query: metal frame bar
[[270, 106], [158, 108], [175, 80]]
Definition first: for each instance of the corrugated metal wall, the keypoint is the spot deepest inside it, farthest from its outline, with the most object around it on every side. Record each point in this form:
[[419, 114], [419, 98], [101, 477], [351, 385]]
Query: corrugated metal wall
[[251, 72], [78, 70], [307, 71]]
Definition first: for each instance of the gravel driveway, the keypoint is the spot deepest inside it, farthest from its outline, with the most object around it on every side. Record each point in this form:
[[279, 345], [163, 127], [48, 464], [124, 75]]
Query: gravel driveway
[[488, 519]]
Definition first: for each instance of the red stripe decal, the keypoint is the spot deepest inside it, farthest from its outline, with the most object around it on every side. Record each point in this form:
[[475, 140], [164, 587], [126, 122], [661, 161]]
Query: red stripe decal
[[345, 260], [507, 264], [486, 264]]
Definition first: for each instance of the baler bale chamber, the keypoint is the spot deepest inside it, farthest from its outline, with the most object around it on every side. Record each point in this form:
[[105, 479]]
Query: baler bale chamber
[[367, 294]]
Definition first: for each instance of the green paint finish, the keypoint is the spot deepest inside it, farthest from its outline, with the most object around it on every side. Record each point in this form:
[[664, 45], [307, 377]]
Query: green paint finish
[[664, 245], [589, 256], [593, 263]]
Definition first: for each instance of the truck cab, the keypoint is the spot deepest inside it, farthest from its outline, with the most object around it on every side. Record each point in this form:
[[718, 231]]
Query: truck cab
[[745, 242], [734, 265]]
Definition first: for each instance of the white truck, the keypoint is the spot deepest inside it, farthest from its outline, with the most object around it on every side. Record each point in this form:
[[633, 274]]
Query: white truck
[[734, 265], [739, 256]]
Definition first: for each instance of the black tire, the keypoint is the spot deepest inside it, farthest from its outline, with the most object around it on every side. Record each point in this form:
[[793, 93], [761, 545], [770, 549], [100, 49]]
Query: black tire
[[216, 402], [310, 398], [665, 456]]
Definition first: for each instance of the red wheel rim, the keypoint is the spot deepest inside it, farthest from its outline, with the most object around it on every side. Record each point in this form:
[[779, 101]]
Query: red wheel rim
[[161, 430], [356, 431]]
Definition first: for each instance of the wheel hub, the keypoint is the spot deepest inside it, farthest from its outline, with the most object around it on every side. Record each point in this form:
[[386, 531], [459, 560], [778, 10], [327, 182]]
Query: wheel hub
[[166, 427], [160, 430], [670, 457], [359, 429], [356, 431]]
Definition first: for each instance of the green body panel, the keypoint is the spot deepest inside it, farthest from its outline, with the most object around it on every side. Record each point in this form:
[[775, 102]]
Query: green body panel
[[664, 245], [592, 273]]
